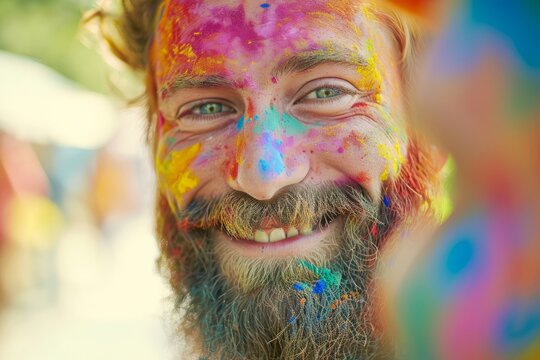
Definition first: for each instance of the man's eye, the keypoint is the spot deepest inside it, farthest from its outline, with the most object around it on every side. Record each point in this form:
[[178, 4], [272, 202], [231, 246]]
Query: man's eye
[[324, 93], [211, 108]]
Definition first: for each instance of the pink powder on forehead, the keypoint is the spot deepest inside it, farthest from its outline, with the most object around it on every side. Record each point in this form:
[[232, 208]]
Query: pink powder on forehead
[[183, 45], [228, 28]]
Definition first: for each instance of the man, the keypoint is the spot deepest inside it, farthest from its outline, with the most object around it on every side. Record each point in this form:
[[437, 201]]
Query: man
[[285, 162]]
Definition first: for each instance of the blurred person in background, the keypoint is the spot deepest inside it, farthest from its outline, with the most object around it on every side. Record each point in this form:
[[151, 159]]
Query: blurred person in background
[[286, 161]]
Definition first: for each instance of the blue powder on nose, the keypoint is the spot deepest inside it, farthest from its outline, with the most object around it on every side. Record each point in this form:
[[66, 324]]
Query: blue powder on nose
[[273, 161], [265, 5]]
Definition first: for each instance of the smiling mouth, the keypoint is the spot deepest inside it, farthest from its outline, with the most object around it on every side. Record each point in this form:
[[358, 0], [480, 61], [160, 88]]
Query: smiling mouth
[[265, 235]]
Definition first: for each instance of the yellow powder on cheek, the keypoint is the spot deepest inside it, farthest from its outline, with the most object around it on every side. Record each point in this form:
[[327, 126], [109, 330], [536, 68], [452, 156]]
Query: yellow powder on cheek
[[370, 76], [393, 158], [174, 171]]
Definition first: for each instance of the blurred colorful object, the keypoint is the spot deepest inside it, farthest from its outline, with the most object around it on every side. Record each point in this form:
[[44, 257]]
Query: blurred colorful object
[[474, 293], [21, 174], [33, 221], [419, 7], [39, 105]]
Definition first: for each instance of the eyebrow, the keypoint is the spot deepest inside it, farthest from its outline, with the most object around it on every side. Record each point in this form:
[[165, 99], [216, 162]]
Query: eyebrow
[[296, 63], [193, 82], [307, 60]]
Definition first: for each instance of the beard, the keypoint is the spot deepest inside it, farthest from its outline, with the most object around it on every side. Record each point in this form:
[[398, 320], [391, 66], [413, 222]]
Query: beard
[[319, 305]]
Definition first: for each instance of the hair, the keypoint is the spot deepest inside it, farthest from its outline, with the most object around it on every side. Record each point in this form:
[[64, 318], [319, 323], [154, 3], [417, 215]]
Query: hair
[[128, 34]]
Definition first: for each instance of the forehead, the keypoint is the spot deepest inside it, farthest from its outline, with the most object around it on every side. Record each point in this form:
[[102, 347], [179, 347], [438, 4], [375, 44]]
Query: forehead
[[195, 37]]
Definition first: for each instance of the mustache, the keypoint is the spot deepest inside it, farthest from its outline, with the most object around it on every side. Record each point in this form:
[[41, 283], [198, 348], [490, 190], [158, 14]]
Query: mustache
[[239, 215]]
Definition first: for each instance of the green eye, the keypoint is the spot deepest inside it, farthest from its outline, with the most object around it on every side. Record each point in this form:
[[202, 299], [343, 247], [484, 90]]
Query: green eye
[[211, 108], [324, 93]]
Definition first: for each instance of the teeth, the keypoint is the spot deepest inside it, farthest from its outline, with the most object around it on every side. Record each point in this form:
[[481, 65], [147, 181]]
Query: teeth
[[277, 235], [292, 232], [261, 236], [306, 230]]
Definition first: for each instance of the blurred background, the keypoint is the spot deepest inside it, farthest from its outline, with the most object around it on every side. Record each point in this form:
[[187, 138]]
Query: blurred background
[[77, 254]]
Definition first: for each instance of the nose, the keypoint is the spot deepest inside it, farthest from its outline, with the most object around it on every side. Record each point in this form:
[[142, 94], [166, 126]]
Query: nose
[[267, 159]]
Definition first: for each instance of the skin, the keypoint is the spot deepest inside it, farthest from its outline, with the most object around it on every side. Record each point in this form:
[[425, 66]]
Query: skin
[[270, 129]]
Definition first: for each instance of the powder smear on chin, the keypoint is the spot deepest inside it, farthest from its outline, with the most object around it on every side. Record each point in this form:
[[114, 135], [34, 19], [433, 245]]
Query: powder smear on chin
[[175, 172]]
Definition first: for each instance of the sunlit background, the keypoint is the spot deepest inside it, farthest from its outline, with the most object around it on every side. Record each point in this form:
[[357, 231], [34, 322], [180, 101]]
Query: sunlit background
[[77, 255]]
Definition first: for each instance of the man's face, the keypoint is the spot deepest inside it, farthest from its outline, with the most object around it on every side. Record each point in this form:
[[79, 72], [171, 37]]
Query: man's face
[[257, 98], [279, 140]]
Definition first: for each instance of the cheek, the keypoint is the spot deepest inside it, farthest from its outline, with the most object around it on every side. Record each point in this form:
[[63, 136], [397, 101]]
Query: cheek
[[183, 168], [175, 174], [361, 152]]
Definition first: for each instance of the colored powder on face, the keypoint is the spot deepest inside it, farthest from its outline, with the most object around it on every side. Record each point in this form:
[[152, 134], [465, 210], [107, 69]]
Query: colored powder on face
[[250, 111], [175, 172], [360, 105], [270, 122], [399, 157], [353, 139], [273, 162], [239, 157], [265, 5], [370, 77], [384, 175], [361, 178], [240, 124], [274, 120], [292, 126], [177, 49], [385, 153]]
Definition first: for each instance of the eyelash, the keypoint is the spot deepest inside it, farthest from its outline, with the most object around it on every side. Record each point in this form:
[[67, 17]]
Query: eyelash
[[189, 112]]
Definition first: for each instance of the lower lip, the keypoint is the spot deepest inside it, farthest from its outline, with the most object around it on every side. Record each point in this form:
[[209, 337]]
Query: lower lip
[[295, 246]]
